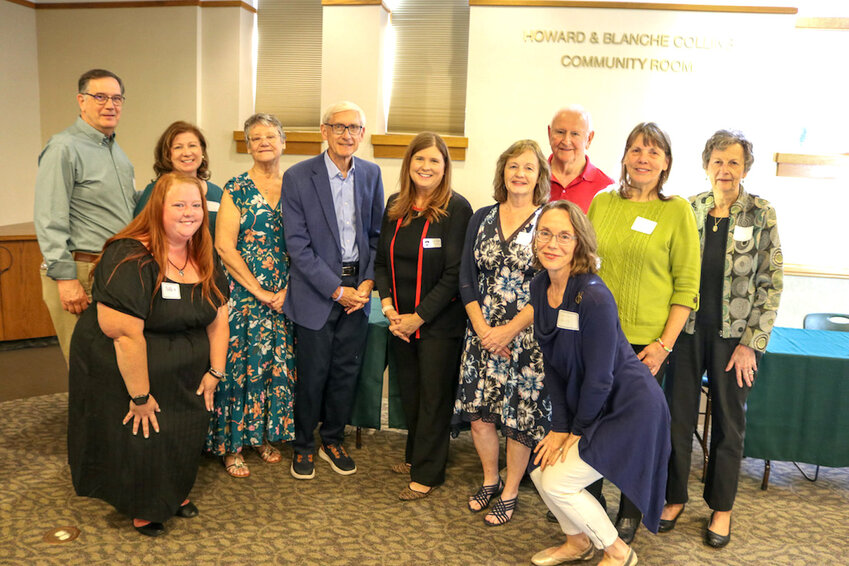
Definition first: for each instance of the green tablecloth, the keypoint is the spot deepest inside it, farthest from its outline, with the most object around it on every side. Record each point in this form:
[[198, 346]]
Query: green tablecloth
[[798, 410], [377, 356]]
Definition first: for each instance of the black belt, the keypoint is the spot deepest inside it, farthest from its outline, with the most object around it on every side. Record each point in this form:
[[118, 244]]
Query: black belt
[[350, 269]]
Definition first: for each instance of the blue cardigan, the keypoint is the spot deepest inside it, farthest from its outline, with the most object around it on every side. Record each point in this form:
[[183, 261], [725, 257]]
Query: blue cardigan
[[602, 392]]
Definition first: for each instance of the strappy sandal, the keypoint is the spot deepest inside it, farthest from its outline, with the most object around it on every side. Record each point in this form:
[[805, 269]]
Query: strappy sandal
[[484, 495], [238, 468], [401, 468], [500, 510], [268, 453]]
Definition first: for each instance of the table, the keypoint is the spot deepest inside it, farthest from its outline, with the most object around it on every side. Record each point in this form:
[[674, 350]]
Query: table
[[798, 410], [367, 402]]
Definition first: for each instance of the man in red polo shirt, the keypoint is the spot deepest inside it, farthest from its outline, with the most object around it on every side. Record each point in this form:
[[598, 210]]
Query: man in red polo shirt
[[573, 177]]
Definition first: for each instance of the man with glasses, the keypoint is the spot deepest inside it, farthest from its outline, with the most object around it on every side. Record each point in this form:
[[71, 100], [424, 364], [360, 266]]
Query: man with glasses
[[332, 209], [84, 194], [573, 177]]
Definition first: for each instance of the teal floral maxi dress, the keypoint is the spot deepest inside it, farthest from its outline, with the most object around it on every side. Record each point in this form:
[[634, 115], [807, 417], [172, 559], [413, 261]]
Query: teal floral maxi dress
[[255, 401]]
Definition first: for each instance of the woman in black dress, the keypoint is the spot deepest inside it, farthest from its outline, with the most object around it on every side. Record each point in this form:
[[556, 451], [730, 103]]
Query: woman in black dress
[[149, 358], [417, 272]]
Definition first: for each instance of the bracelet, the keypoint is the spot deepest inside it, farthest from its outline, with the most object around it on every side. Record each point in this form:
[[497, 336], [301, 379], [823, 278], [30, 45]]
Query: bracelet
[[662, 345], [386, 308], [215, 373], [341, 291]]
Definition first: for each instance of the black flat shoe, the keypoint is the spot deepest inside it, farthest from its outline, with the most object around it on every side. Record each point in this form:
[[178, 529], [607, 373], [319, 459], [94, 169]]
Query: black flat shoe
[[627, 528], [151, 529], [188, 511], [551, 518], [715, 540], [667, 525]]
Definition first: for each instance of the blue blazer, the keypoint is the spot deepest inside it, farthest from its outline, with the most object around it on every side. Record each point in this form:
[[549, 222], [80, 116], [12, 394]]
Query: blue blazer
[[312, 236]]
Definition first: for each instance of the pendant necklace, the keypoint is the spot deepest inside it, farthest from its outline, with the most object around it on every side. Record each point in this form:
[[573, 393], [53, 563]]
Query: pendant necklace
[[716, 220], [180, 269]]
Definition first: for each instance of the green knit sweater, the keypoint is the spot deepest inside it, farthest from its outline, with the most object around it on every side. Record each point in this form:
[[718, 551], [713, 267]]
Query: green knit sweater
[[647, 272]]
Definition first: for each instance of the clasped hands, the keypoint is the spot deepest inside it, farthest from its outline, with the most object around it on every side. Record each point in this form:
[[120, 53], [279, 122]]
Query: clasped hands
[[353, 299], [495, 339], [403, 325], [555, 445], [274, 301]]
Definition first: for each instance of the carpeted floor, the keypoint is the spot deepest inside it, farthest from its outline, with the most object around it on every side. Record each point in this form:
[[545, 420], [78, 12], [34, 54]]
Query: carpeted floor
[[271, 518]]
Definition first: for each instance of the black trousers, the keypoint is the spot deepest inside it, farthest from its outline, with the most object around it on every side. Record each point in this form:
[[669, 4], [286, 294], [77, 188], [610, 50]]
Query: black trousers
[[627, 509], [427, 369], [328, 361], [706, 351]]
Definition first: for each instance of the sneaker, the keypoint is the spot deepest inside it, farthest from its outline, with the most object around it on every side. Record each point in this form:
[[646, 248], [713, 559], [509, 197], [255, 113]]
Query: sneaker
[[303, 467], [338, 459]]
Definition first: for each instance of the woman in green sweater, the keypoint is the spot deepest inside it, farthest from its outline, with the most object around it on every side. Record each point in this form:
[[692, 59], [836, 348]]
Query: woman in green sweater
[[649, 249]]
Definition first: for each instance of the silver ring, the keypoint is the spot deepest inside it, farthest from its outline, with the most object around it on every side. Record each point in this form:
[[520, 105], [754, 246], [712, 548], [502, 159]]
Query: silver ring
[[560, 449], [751, 371]]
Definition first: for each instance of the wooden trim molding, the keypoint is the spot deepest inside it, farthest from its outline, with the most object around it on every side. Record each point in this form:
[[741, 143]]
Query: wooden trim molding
[[636, 6], [356, 3], [395, 145], [823, 23], [136, 4], [811, 166], [799, 270], [297, 143]]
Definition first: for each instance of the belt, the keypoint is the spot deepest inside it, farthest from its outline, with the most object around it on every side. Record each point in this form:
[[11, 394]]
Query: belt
[[86, 257], [350, 269]]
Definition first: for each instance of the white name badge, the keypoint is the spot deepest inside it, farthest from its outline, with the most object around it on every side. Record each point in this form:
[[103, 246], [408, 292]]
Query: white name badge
[[212, 206], [567, 320], [643, 225], [429, 243], [170, 290], [743, 233], [524, 238]]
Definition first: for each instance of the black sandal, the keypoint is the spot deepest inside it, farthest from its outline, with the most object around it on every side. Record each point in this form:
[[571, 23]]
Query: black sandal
[[499, 511], [484, 495]]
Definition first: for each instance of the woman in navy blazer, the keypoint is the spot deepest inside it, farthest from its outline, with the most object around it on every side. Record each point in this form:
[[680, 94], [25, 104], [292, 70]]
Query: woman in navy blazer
[[417, 274], [609, 415]]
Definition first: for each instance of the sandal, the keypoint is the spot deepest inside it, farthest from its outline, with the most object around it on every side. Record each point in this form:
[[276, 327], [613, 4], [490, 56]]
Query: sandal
[[500, 510], [237, 468], [484, 495], [268, 453], [401, 468]]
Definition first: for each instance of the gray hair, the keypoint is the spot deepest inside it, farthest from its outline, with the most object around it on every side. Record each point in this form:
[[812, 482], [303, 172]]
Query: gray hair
[[263, 120], [577, 109], [722, 140], [343, 106]]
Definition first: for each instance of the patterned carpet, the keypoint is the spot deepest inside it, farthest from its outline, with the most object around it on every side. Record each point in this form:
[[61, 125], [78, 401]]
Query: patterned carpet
[[272, 519]]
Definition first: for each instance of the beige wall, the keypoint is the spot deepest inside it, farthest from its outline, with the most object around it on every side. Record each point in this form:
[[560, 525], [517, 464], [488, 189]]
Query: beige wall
[[20, 142]]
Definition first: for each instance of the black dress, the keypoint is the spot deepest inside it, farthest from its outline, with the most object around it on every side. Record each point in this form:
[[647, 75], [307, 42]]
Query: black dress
[[142, 478]]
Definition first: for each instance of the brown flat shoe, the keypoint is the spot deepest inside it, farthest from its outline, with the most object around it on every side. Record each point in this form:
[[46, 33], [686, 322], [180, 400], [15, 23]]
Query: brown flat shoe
[[408, 494], [401, 468], [268, 453]]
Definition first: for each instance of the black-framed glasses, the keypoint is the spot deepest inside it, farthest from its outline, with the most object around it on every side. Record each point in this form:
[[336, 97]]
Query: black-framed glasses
[[339, 129], [101, 98], [563, 238]]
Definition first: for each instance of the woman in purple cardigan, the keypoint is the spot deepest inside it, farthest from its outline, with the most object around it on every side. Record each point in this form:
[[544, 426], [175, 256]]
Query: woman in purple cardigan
[[609, 415]]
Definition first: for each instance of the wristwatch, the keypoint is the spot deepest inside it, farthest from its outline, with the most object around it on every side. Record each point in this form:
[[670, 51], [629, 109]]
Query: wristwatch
[[141, 399]]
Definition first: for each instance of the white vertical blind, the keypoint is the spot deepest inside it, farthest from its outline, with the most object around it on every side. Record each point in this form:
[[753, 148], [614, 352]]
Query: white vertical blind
[[429, 78], [289, 61]]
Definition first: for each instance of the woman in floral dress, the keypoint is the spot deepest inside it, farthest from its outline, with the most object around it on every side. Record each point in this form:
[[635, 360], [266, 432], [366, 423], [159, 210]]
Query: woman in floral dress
[[501, 373], [254, 403]]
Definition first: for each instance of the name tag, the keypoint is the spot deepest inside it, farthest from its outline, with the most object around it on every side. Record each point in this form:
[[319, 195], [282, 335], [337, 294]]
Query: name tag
[[743, 233], [567, 320], [524, 238], [212, 206], [429, 243], [170, 290], [643, 225]]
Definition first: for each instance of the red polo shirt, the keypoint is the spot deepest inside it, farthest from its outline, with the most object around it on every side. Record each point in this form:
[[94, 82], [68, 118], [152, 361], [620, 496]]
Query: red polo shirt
[[583, 188]]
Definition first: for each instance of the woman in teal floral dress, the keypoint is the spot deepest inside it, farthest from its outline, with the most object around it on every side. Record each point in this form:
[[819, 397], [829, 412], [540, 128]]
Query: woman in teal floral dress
[[254, 402]]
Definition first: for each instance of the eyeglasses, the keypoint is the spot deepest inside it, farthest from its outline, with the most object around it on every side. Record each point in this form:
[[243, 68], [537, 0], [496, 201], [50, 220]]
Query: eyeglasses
[[563, 238], [269, 138], [101, 98], [339, 129]]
